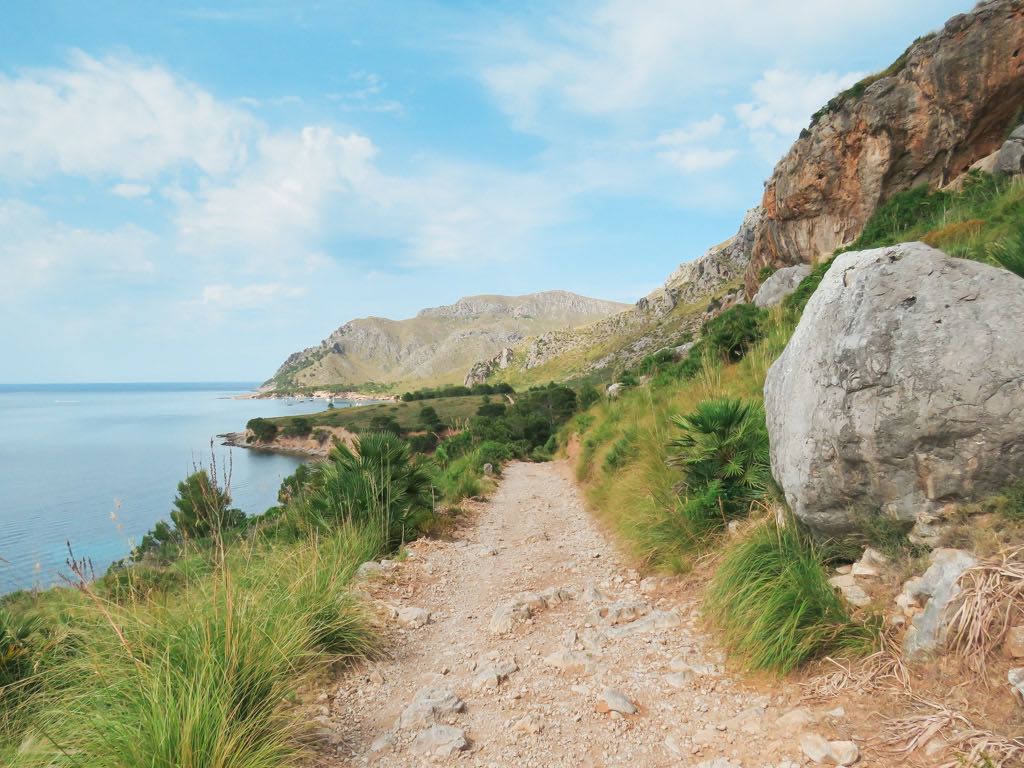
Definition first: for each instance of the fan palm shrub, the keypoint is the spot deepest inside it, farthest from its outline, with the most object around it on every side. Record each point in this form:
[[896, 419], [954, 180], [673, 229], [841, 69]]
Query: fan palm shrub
[[379, 485], [724, 443]]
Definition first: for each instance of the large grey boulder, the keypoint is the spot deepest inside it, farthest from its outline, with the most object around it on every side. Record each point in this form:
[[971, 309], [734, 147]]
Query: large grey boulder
[[1010, 158], [780, 284], [902, 389]]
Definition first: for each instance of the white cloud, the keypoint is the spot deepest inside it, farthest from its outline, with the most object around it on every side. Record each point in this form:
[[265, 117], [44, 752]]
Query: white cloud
[[698, 159], [226, 297], [115, 117], [785, 99], [129, 191], [624, 56], [279, 201], [700, 131], [37, 252]]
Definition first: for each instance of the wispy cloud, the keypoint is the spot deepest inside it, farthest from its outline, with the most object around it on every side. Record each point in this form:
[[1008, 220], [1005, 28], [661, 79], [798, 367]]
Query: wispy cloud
[[784, 100], [115, 117], [37, 252]]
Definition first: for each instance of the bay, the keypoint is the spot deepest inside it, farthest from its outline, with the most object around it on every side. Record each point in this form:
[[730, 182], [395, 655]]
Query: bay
[[97, 465]]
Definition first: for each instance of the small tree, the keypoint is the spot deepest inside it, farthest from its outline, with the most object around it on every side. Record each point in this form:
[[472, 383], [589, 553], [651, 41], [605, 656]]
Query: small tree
[[201, 507]]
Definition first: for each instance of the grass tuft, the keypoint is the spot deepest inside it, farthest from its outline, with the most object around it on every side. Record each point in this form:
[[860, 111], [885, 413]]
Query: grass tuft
[[773, 603]]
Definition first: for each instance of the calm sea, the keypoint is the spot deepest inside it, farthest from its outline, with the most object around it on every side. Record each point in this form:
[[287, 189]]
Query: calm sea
[[98, 464]]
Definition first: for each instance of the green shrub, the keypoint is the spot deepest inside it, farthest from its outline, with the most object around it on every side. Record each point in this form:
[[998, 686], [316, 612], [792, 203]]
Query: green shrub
[[379, 486], [734, 331], [724, 442], [773, 603], [796, 301], [263, 431], [298, 426], [201, 507], [588, 395], [682, 527]]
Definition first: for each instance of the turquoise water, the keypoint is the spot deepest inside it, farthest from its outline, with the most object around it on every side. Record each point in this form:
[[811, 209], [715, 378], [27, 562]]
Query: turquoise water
[[96, 465]]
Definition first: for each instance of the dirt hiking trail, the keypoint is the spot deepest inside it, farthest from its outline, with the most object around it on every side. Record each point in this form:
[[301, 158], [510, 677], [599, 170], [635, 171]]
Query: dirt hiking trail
[[528, 641]]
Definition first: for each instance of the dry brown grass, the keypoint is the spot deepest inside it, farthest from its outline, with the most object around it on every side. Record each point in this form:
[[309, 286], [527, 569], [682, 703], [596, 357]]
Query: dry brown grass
[[883, 669], [971, 747], [991, 601]]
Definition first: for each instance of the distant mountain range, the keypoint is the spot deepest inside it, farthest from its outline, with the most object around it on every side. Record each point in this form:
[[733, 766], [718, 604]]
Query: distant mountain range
[[438, 345]]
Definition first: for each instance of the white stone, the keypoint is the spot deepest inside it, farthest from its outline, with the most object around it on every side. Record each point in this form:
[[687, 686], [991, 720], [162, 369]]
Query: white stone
[[439, 741], [618, 702]]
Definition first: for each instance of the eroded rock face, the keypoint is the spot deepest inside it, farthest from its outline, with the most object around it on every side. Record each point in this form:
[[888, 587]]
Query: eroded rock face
[[901, 390], [951, 102]]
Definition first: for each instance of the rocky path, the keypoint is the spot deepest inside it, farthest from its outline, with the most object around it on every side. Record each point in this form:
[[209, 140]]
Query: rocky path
[[542, 648]]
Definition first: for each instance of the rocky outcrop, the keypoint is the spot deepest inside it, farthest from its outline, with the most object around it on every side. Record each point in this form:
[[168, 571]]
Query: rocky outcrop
[[901, 390], [780, 285], [947, 102], [439, 344], [698, 280], [1009, 160], [484, 369]]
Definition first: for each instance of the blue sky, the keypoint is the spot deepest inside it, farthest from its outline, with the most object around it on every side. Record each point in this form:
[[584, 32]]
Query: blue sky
[[192, 192]]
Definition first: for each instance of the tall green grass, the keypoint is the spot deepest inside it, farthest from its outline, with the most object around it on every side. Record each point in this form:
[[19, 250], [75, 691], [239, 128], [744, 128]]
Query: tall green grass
[[201, 681], [772, 602]]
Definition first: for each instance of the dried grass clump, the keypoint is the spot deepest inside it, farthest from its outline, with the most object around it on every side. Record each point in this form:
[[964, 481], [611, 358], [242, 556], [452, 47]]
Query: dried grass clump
[[991, 600], [883, 669], [972, 747]]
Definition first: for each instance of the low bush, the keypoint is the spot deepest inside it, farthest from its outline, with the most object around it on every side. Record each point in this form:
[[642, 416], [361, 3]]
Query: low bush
[[734, 331], [774, 606]]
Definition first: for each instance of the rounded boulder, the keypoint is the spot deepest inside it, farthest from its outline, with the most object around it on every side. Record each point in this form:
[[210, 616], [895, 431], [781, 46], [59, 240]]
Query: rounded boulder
[[901, 390]]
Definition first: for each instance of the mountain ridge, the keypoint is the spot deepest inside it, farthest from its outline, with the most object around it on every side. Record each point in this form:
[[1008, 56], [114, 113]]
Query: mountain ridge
[[438, 344]]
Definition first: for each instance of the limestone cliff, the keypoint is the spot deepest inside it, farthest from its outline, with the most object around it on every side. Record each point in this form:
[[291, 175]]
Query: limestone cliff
[[949, 101]]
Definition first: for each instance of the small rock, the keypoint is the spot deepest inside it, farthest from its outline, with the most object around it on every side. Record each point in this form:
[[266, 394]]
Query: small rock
[[439, 741], [843, 752], [528, 725], [815, 747], [864, 570], [428, 705], [678, 679], [1013, 645], [367, 569], [488, 470], [412, 617], [795, 720], [622, 612], [570, 662], [491, 675], [718, 762], [652, 622], [617, 702], [939, 584], [384, 743], [1016, 679], [650, 585]]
